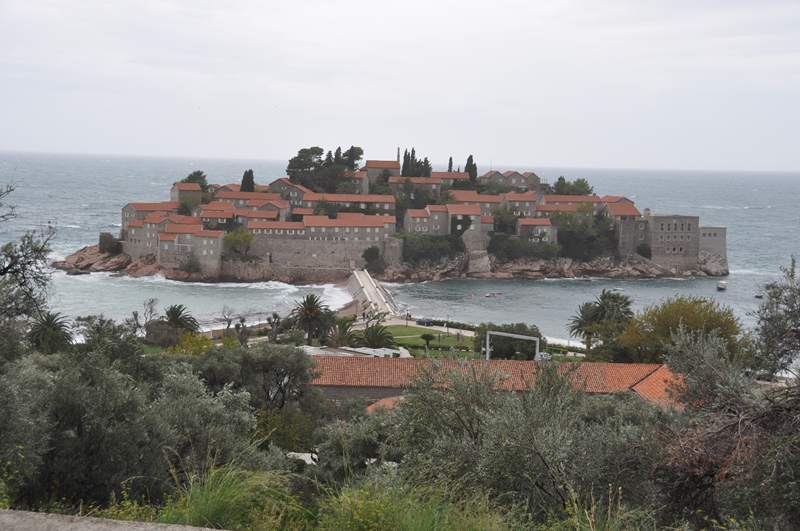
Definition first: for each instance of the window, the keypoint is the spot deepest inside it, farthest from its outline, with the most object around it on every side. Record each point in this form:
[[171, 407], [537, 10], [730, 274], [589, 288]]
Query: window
[[641, 236], [688, 236], [688, 226], [641, 226], [681, 237], [661, 227], [661, 238]]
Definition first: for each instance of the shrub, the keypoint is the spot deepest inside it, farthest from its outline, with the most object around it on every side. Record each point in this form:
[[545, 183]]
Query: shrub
[[424, 248], [109, 244], [191, 264], [506, 248]]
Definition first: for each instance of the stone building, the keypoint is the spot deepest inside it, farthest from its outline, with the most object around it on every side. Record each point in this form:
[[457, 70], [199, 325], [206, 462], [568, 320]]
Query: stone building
[[674, 241], [374, 168]]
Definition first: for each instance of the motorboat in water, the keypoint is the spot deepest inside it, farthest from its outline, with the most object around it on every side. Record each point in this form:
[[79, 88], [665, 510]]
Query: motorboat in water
[[722, 285]]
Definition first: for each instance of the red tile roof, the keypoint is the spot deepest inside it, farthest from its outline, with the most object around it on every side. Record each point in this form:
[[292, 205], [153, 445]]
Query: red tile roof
[[300, 211], [418, 213], [386, 403], [355, 175], [246, 195], [183, 220], [464, 210], [257, 214], [572, 199], [397, 373], [217, 206], [217, 214], [349, 198], [387, 164], [489, 174], [163, 206], [163, 237], [624, 209], [188, 187], [655, 386]]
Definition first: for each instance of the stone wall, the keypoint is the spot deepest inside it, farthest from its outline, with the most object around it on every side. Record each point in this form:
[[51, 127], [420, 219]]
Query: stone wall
[[260, 271], [713, 240], [339, 393], [392, 252]]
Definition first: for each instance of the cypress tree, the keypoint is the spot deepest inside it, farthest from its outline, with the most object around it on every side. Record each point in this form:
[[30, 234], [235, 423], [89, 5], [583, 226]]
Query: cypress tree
[[450, 165], [248, 182]]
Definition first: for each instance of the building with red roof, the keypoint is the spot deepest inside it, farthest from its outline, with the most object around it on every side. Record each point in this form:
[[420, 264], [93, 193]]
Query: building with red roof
[[342, 377]]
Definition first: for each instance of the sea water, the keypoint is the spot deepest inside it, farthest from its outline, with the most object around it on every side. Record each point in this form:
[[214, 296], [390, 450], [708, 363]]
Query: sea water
[[83, 195]]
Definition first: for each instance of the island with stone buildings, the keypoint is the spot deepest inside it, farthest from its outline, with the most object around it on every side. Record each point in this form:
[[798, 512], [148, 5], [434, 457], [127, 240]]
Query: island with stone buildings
[[287, 232]]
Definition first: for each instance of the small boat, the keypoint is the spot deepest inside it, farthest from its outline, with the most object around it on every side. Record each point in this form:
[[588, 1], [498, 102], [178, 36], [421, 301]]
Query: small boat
[[493, 294], [759, 295], [617, 289], [722, 285], [586, 279]]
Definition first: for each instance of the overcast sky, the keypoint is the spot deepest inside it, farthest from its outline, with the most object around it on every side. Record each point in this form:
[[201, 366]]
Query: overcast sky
[[616, 84]]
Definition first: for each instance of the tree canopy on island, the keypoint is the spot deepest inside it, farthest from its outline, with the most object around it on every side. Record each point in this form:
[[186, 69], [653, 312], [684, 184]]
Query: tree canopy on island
[[248, 182], [413, 167], [577, 187], [198, 177], [321, 172]]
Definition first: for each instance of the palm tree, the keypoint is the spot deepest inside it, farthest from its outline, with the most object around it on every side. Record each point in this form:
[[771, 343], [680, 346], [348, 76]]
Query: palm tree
[[178, 318], [612, 306], [378, 336], [342, 334], [311, 316], [582, 324], [607, 314], [50, 333]]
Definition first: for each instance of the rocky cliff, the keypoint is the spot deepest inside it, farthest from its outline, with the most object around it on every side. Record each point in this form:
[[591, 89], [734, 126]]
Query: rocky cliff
[[469, 265], [603, 267], [90, 260]]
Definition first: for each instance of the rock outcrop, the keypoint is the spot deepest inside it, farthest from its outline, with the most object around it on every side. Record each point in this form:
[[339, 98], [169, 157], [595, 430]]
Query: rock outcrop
[[90, 259], [712, 264], [604, 267]]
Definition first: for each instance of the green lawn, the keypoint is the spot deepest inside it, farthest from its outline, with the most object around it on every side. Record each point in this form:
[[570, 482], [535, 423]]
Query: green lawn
[[409, 337]]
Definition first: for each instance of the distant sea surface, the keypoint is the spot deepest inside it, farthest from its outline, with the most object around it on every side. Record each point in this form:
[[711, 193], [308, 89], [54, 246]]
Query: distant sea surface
[[84, 194]]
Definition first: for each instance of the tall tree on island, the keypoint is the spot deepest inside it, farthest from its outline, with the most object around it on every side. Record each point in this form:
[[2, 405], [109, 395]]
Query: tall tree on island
[[471, 168], [248, 182], [198, 177], [450, 165]]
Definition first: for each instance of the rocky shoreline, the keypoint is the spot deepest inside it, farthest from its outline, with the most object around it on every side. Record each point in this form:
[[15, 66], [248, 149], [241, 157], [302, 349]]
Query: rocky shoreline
[[89, 259], [603, 267]]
